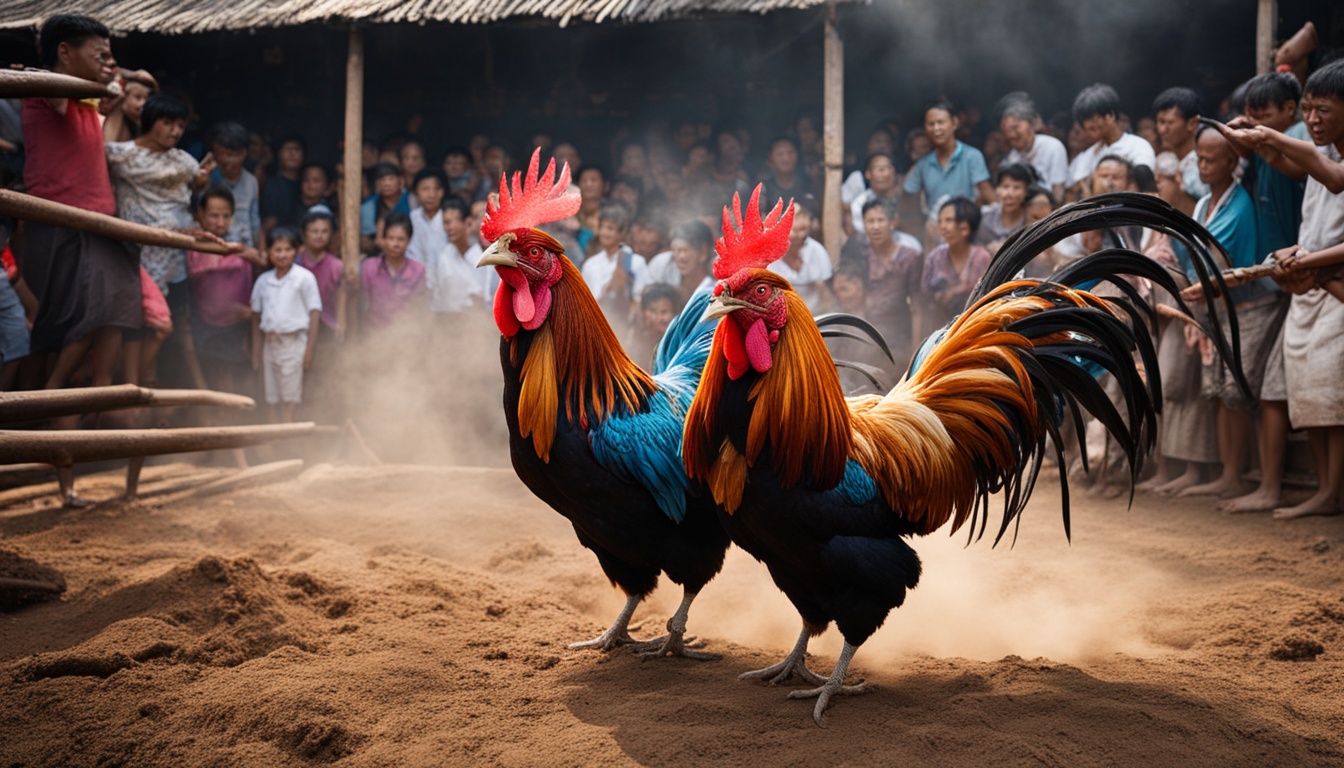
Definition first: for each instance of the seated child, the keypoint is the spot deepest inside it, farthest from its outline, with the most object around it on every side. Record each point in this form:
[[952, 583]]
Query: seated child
[[286, 309]]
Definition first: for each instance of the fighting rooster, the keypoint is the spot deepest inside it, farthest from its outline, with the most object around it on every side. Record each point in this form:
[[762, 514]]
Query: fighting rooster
[[826, 491], [590, 433]]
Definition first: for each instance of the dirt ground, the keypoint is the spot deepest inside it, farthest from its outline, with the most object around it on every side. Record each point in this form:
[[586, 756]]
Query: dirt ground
[[409, 616]]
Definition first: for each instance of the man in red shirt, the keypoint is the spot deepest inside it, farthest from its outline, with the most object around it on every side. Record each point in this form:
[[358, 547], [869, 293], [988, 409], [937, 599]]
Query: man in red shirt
[[87, 286]]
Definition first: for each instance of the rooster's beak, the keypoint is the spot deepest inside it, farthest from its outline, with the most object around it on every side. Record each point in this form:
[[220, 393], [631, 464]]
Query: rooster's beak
[[498, 255], [722, 306]]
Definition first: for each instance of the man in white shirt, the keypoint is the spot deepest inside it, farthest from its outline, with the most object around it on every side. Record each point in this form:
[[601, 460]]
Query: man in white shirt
[[1096, 109], [1017, 122], [454, 282], [427, 237]]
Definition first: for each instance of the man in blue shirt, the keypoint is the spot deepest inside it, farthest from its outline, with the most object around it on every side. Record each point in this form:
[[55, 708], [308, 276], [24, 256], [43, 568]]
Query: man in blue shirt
[[952, 169], [389, 195]]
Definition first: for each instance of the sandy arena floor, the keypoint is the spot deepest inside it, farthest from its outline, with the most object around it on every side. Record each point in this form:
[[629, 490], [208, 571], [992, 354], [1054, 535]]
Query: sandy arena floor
[[405, 616]]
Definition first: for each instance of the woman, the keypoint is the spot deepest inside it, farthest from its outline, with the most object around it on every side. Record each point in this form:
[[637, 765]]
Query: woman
[[685, 266]]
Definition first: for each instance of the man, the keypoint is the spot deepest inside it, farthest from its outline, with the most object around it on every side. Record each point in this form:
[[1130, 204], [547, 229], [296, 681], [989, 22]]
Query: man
[[1017, 122], [1097, 110], [1177, 111], [87, 286]]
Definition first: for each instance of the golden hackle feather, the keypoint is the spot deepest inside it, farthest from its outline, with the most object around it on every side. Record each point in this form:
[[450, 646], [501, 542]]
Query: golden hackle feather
[[584, 365]]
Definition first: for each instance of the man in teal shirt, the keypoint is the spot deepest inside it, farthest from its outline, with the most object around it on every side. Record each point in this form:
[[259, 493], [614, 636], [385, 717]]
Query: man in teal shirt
[[952, 169]]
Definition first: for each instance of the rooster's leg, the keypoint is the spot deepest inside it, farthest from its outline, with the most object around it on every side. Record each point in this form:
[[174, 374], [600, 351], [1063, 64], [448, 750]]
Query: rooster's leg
[[674, 642], [834, 686], [617, 634], [795, 664]]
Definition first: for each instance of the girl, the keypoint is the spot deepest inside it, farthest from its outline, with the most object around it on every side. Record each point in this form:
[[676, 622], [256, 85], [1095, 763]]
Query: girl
[[390, 281], [317, 229], [952, 269]]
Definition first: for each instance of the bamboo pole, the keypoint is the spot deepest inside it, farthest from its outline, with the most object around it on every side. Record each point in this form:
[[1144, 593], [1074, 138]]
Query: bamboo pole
[[30, 208], [51, 403], [1266, 14], [834, 136], [63, 448], [354, 146], [41, 84]]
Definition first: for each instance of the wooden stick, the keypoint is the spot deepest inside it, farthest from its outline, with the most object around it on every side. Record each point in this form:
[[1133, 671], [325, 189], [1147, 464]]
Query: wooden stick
[[262, 474], [30, 208], [354, 145], [833, 136], [63, 448], [1236, 277], [51, 403], [38, 83]]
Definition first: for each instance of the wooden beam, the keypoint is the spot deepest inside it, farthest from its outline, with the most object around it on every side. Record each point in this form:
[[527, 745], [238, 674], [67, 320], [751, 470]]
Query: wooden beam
[[41, 84], [63, 448], [353, 157], [30, 208], [51, 403], [833, 142], [1267, 13]]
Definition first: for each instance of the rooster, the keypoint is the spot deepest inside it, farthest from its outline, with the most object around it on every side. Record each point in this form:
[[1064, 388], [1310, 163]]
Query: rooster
[[590, 433], [827, 490]]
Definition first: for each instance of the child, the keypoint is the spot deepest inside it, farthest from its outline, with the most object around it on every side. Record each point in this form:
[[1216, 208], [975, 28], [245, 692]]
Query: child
[[315, 188], [952, 169], [221, 289], [613, 269], [123, 122], [658, 305], [806, 265], [286, 310], [427, 217], [280, 200], [999, 220], [455, 284], [318, 228], [389, 196], [411, 158], [389, 281], [463, 181], [592, 182], [952, 269], [228, 148], [847, 284]]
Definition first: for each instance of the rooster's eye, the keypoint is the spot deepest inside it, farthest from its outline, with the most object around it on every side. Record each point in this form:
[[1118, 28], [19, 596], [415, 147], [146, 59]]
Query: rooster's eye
[[533, 252], [760, 290]]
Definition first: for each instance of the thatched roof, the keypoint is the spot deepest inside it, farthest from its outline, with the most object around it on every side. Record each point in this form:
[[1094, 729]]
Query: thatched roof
[[184, 16]]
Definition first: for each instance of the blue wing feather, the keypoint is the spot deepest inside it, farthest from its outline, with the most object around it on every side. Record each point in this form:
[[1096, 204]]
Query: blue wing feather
[[646, 447]]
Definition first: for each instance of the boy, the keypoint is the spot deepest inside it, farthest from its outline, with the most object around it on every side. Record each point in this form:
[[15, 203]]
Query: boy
[[1096, 111], [1043, 152], [280, 200], [1177, 111], [952, 169], [123, 121], [228, 148], [658, 305], [455, 284], [315, 189], [388, 197], [1313, 335], [286, 309], [806, 265], [613, 270], [463, 180], [427, 217], [999, 220]]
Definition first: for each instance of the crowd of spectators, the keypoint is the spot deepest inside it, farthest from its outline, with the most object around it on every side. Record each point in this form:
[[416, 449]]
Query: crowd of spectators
[[923, 213]]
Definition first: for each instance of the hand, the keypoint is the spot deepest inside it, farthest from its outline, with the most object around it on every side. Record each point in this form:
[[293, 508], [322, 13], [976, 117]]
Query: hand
[[242, 313], [208, 165], [140, 74], [1287, 258], [308, 359], [618, 283]]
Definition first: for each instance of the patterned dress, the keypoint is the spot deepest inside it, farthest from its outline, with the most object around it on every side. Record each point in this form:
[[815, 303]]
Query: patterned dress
[[154, 188]]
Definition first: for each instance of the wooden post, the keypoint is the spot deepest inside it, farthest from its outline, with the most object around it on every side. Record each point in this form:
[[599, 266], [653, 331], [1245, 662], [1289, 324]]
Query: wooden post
[[1266, 14], [354, 153], [834, 136]]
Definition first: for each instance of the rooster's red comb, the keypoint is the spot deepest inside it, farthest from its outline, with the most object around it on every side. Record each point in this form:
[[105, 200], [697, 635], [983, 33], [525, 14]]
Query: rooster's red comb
[[748, 242], [531, 202]]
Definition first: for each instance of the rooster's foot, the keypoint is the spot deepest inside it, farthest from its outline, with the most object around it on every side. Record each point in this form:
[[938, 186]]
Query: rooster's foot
[[617, 634], [793, 665], [673, 644], [834, 686]]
